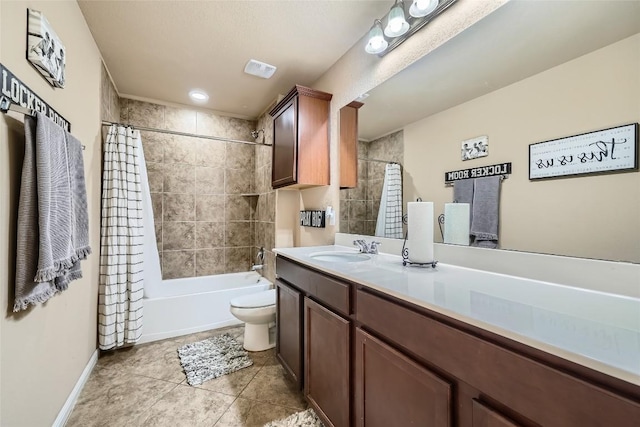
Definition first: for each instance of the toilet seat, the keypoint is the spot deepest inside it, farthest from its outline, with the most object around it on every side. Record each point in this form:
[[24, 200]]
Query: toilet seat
[[257, 300]]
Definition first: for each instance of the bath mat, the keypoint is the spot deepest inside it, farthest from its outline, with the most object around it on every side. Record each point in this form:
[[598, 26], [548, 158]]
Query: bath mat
[[306, 418], [212, 358]]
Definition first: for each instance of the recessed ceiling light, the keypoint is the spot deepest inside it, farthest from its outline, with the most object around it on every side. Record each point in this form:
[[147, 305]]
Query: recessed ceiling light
[[198, 95]]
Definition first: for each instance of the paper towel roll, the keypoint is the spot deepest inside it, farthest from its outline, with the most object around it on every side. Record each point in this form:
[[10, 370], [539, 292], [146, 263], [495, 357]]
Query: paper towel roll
[[456, 223], [420, 229]]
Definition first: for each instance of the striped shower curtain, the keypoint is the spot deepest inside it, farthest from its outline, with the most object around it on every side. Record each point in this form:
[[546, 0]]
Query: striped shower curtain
[[389, 222], [121, 244]]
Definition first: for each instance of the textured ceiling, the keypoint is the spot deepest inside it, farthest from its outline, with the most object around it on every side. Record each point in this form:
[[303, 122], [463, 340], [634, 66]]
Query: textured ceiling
[[519, 40], [162, 49]]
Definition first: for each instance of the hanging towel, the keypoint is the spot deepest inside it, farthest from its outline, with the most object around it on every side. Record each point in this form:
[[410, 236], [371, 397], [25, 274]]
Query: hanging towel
[[52, 213], [389, 223], [484, 219], [79, 213], [28, 291]]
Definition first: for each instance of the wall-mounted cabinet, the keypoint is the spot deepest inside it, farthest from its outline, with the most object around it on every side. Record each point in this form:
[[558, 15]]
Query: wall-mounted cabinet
[[349, 145], [301, 139]]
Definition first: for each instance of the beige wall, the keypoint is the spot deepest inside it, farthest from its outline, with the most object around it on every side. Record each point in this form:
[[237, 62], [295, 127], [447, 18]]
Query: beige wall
[[594, 216], [358, 72], [44, 350]]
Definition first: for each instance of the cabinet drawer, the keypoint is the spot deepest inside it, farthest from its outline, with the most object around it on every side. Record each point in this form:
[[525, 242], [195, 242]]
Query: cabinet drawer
[[324, 289], [535, 391]]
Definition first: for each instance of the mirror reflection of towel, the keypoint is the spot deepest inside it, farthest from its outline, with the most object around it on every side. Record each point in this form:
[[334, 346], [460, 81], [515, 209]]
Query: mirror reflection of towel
[[484, 217]]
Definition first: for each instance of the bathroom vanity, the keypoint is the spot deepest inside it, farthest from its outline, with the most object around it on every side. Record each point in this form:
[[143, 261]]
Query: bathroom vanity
[[373, 343]]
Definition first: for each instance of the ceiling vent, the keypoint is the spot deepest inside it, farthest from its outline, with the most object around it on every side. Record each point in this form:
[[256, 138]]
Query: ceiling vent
[[260, 69]]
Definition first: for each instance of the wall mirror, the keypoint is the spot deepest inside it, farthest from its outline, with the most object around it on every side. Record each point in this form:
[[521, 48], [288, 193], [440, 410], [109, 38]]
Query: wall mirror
[[529, 72]]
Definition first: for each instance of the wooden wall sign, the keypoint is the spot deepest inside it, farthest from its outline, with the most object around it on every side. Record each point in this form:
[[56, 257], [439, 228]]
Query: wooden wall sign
[[607, 150], [312, 219]]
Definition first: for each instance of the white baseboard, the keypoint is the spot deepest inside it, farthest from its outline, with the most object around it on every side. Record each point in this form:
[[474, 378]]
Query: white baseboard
[[67, 408]]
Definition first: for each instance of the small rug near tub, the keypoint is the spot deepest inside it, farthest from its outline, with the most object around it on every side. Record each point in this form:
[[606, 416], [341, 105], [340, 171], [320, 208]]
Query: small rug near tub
[[212, 358], [306, 418]]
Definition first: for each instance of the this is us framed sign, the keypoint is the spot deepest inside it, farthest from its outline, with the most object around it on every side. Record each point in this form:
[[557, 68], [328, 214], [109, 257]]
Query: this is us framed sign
[[607, 150]]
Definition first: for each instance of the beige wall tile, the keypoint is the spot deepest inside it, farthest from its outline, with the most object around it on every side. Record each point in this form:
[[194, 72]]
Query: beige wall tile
[[179, 178], [239, 234], [209, 235], [209, 124], [179, 207], [177, 264], [178, 235], [180, 119], [210, 208], [209, 180], [237, 181], [124, 110], [145, 114], [153, 145], [237, 259], [237, 208], [210, 261], [210, 153], [180, 149], [240, 156], [156, 176]]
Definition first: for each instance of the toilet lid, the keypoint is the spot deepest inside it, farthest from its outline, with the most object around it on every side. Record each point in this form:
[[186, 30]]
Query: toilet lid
[[259, 299]]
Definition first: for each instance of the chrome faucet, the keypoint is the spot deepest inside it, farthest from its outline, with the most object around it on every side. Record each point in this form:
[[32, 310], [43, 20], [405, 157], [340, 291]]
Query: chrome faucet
[[365, 248]]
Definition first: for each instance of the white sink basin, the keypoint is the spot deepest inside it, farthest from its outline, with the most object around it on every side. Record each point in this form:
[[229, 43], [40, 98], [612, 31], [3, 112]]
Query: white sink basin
[[332, 256]]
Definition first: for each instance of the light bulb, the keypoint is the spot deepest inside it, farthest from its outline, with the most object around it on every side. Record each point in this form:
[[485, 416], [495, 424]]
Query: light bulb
[[396, 25], [376, 42], [421, 8]]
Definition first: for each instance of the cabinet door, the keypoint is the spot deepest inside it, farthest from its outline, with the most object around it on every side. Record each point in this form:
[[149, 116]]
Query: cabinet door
[[483, 416], [326, 349], [393, 390], [349, 145], [289, 330], [285, 146]]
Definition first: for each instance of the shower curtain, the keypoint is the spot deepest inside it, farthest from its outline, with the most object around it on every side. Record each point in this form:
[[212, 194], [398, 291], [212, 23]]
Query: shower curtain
[[122, 240], [389, 222]]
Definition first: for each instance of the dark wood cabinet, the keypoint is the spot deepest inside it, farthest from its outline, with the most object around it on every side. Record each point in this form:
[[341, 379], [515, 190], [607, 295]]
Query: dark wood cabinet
[[349, 145], [289, 331], [393, 390], [327, 358], [301, 139]]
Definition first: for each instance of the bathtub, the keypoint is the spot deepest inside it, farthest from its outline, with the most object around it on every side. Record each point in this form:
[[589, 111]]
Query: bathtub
[[183, 306]]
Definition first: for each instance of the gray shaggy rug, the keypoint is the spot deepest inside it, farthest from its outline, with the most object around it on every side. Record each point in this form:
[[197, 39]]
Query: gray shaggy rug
[[306, 418], [212, 358]]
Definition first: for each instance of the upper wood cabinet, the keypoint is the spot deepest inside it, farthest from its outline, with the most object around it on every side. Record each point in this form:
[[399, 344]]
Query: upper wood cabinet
[[349, 145], [301, 139]]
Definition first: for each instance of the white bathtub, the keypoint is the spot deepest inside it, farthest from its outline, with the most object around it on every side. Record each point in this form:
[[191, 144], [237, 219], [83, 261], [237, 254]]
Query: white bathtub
[[183, 306]]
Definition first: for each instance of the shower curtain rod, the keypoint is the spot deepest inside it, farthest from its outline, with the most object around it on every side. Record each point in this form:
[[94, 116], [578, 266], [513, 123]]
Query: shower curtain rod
[[173, 132]]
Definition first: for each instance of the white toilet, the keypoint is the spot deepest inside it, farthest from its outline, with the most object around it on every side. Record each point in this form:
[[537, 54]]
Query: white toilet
[[258, 311]]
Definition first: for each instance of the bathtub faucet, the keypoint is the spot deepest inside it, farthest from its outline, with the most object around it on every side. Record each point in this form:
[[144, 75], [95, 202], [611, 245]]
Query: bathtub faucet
[[256, 267]]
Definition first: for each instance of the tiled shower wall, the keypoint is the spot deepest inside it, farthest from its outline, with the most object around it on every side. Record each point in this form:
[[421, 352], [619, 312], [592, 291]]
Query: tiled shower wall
[[359, 206], [110, 107], [204, 224]]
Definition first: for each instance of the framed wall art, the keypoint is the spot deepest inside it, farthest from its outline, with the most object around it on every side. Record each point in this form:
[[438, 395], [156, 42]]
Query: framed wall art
[[607, 150], [45, 50], [474, 148]]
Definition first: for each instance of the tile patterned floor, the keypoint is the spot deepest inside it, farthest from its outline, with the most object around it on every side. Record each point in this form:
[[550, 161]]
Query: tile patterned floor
[[145, 386]]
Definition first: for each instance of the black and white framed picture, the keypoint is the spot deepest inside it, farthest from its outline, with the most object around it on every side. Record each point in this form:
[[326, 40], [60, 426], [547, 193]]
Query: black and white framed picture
[[603, 151], [474, 148], [45, 51]]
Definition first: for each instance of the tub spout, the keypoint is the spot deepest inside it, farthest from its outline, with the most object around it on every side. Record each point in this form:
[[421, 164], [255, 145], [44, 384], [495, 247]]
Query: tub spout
[[256, 267]]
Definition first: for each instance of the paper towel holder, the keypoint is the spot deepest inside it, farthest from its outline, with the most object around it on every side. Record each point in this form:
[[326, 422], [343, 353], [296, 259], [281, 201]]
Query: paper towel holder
[[405, 249]]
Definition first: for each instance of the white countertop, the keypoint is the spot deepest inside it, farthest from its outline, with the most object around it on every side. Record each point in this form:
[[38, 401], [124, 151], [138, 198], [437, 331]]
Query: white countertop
[[595, 329]]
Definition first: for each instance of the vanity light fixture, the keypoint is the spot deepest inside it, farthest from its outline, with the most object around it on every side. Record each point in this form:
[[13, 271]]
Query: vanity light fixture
[[198, 96], [402, 21], [421, 8], [376, 42], [397, 25]]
